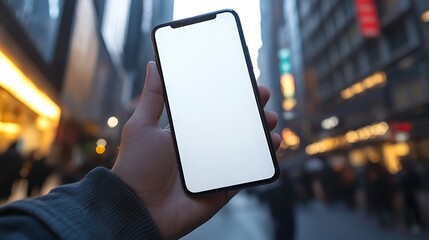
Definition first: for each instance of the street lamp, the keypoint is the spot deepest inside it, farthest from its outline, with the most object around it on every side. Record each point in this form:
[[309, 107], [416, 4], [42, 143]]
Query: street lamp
[[112, 122]]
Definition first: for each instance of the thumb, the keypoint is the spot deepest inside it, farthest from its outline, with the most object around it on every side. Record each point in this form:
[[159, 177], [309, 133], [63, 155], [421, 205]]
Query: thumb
[[150, 106]]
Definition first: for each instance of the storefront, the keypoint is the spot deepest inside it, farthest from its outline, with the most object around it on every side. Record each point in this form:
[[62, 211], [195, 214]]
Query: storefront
[[27, 113], [31, 72], [374, 143]]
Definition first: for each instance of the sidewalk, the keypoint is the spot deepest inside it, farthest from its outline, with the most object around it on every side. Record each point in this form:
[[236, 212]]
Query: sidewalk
[[246, 218], [318, 221], [242, 218]]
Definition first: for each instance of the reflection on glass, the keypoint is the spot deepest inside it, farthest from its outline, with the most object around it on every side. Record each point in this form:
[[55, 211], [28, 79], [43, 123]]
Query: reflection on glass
[[40, 20]]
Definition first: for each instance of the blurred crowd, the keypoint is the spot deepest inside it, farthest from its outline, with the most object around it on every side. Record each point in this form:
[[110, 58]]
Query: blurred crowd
[[392, 200], [35, 169]]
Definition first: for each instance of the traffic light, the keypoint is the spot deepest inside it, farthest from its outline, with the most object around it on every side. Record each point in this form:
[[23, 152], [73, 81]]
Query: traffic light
[[284, 59]]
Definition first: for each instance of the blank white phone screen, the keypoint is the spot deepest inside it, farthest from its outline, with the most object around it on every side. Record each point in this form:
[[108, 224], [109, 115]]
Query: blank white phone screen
[[219, 133]]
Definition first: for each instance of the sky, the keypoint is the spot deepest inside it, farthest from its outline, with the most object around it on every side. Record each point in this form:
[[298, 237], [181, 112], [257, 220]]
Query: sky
[[248, 11]]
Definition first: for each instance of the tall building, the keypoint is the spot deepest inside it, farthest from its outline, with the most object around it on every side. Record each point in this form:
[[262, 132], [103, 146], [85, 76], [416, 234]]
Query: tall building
[[366, 79], [67, 67], [111, 37], [154, 13], [281, 66], [271, 23]]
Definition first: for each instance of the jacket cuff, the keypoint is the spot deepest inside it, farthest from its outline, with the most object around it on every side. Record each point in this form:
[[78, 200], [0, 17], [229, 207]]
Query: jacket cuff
[[100, 206]]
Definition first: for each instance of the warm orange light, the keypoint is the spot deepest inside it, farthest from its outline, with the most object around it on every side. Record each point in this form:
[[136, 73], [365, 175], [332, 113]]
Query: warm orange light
[[351, 137], [43, 123], [283, 145], [402, 149], [289, 104], [379, 78], [391, 158], [369, 82], [21, 87], [347, 93], [287, 84], [362, 134], [9, 128], [310, 150], [100, 149], [357, 158], [289, 139], [381, 128], [371, 154], [358, 88], [425, 16]]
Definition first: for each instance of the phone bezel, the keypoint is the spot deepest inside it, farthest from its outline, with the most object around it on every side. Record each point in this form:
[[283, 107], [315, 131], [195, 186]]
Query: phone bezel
[[195, 20]]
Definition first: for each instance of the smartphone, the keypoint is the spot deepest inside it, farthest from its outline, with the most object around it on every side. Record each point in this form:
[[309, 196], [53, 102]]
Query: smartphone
[[212, 101]]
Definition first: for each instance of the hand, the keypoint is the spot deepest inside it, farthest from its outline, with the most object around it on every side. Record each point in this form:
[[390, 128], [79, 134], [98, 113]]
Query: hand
[[147, 164]]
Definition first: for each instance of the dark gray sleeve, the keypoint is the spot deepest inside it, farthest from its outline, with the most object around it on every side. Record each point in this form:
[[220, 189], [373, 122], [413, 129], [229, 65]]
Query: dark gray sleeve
[[100, 206], [16, 225]]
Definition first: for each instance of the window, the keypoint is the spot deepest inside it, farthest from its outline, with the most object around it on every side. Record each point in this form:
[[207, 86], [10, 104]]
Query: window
[[323, 65], [352, 34], [356, 67], [321, 36], [344, 45], [115, 24], [304, 8], [396, 36], [348, 72], [339, 17], [333, 54], [325, 5], [338, 80], [388, 8], [326, 90], [41, 20], [348, 7], [408, 88], [330, 27], [372, 52]]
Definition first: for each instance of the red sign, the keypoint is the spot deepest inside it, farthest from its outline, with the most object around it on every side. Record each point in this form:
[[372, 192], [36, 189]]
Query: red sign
[[401, 126], [367, 16]]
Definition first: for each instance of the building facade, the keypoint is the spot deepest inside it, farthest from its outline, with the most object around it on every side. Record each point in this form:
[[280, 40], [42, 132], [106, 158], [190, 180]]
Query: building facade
[[79, 64], [280, 61], [366, 87]]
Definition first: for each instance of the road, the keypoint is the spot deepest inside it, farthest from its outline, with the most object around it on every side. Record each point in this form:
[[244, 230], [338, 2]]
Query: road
[[246, 218]]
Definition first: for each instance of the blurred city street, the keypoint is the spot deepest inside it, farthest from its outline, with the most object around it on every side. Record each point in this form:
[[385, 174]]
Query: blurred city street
[[245, 217], [348, 82], [317, 221]]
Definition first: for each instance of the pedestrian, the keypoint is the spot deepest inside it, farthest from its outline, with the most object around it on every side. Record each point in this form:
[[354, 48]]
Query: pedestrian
[[379, 192], [11, 163], [305, 186], [280, 199], [141, 197], [348, 185], [38, 173], [409, 182]]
